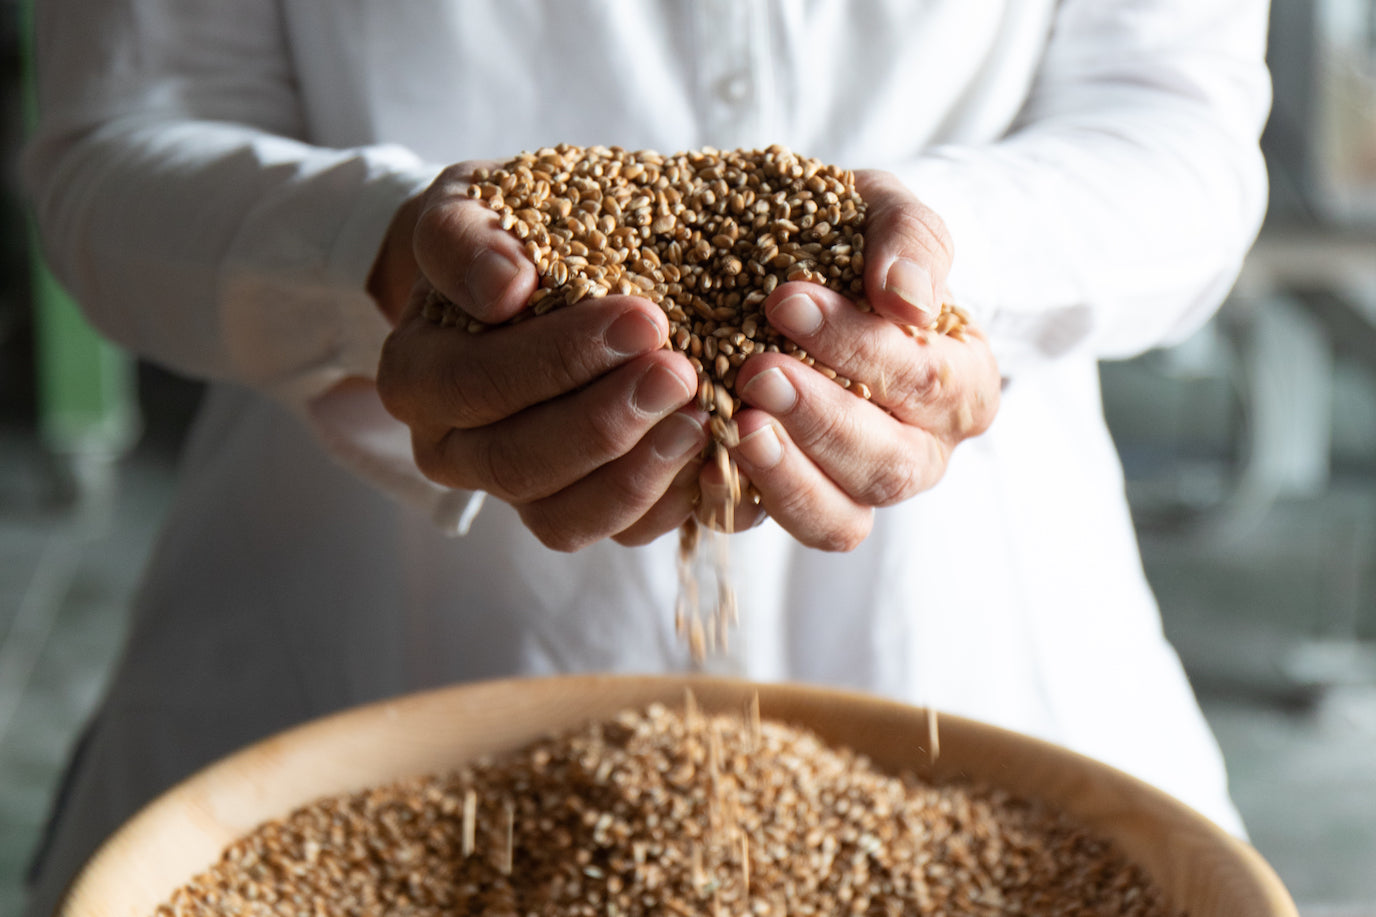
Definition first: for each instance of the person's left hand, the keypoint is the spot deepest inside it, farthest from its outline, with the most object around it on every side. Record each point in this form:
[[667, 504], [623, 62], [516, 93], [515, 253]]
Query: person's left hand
[[822, 458]]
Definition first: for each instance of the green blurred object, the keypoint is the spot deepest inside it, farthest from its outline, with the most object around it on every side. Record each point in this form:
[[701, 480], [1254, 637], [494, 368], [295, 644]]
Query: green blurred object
[[87, 402], [86, 386]]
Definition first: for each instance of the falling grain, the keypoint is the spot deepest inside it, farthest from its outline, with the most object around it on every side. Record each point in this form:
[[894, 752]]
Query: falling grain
[[509, 852], [933, 736], [470, 822]]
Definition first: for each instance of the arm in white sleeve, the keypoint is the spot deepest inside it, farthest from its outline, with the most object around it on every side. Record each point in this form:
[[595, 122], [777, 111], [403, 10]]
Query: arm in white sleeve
[[1114, 217], [178, 205]]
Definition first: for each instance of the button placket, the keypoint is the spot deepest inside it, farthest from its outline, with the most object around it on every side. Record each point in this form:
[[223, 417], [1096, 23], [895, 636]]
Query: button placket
[[727, 75]]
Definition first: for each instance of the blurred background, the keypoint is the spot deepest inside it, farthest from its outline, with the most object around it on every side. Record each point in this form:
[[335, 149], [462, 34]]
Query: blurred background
[[1250, 453]]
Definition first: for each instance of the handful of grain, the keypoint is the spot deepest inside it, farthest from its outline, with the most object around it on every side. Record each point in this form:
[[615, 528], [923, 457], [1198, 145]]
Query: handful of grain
[[707, 235], [665, 812]]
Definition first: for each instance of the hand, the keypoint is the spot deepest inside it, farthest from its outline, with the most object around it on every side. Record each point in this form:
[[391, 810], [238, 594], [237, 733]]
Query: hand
[[821, 457], [577, 419]]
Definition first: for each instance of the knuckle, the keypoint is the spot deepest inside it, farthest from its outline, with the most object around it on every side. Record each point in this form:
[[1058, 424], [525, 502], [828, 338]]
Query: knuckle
[[811, 429], [916, 226], [569, 361], [847, 537], [552, 532], [500, 473], [628, 490], [563, 349], [608, 434], [895, 482], [849, 354], [443, 460], [795, 504], [563, 542], [924, 383], [560, 539], [468, 390], [635, 538]]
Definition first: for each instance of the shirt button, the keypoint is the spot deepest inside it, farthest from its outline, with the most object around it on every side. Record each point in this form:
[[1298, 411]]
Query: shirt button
[[734, 89]]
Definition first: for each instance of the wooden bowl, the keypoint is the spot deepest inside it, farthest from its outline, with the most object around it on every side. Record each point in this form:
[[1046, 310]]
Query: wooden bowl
[[1201, 868]]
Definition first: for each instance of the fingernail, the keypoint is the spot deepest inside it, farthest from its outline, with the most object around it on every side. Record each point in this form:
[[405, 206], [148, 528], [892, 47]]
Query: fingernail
[[677, 435], [661, 391], [489, 276], [762, 448], [631, 334], [771, 391], [912, 283], [797, 314]]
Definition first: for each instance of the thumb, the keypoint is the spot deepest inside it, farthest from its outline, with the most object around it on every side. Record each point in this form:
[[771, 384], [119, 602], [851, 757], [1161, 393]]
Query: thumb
[[465, 254], [908, 251]]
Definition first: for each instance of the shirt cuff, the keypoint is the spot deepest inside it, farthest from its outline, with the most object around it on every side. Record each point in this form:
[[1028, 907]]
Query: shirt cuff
[[351, 257], [988, 278]]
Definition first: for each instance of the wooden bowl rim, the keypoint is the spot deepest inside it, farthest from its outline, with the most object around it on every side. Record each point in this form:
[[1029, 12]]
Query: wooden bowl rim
[[103, 869]]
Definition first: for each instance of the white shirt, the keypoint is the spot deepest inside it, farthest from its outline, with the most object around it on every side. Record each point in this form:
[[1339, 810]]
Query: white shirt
[[213, 181]]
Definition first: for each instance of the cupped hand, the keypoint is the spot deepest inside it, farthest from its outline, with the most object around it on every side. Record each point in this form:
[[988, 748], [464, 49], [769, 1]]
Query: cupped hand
[[820, 457], [580, 419]]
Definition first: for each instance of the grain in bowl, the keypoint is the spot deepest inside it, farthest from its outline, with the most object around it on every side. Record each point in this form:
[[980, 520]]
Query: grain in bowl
[[662, 810]]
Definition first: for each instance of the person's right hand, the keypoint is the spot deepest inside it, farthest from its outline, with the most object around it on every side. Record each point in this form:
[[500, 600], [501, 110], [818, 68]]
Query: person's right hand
[[577, 418]]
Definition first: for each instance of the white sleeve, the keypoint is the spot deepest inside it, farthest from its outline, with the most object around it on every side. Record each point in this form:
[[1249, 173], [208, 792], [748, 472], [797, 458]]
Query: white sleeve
[[178, 204], [1114, 217]]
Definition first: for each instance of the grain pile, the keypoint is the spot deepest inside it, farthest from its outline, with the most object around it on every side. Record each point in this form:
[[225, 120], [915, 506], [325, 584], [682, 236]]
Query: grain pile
[[707, 235], [665, 812]]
